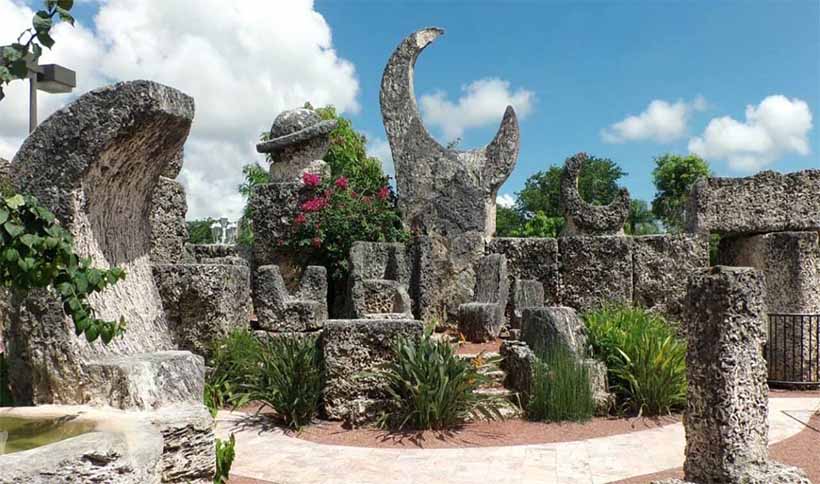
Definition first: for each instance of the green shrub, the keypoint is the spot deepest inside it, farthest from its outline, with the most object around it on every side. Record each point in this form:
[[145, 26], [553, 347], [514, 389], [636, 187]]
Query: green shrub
[[430, 387], [225, 453], [645, 358], [561, 388], [288, 378]]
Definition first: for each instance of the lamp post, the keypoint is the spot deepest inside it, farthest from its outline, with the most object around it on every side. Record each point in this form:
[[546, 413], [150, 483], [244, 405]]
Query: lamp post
[[51, 78]]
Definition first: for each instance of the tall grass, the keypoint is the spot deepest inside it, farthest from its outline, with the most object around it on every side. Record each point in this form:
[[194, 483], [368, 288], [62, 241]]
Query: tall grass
[[430, 387], [232, 365], [561, 389], [645, 359]]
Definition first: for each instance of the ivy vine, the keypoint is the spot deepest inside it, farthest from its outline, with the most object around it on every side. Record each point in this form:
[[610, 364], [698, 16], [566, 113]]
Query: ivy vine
[[36, 252]]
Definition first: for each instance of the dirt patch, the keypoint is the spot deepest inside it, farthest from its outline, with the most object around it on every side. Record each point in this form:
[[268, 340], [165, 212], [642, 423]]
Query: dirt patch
[[480, 434], [800, 450], [467, 348]]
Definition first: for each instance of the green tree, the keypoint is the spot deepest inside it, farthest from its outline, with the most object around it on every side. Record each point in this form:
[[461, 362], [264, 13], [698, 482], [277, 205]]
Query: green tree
[[199, 231], [14, 58], [641, 220], [674, 176], [597, 184], [507, 221], [540, 225], [255, 176]]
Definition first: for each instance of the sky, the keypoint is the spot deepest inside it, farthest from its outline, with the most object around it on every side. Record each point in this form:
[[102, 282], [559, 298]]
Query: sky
[[736, 82]]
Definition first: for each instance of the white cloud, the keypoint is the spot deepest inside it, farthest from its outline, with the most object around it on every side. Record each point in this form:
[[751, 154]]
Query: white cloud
[[482, 103], [242, 69], [380, 148], [775, 127], [661, 121], [505, 200]]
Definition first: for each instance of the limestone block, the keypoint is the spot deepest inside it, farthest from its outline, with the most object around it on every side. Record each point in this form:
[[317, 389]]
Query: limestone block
[[482, 320], [278, 311], [204, 302], [597, 371], [525, 294], [374, 297], [188, 453], [584, 218], [168, 229], [727, 407], [95, 164], [544, 326], [210, 253], [146, 381], [517, 362], [531, 258], [444, 274], [352, 348], [595, 271], [274, 205], [661, 267], [766, 202], [380, 260]]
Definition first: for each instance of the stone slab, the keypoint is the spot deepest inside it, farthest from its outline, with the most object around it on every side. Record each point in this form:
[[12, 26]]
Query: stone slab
[[765, 202], [531, 258]]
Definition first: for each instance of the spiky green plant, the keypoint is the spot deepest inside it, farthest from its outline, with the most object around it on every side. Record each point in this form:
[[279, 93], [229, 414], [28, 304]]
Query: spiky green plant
[[430, 387], [225, 454], [288, 378], [561, 388], [646, 360]]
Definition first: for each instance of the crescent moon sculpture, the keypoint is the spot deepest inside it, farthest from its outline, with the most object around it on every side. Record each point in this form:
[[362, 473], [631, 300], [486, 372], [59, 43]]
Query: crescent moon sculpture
[[584, 218], [440, 190]]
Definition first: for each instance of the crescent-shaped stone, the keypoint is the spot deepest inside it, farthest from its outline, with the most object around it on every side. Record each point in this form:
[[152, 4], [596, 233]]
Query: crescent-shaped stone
[[584, 218]]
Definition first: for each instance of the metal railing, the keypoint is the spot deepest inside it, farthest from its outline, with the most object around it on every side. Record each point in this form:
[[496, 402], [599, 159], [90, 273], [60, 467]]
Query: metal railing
[[793, 350]]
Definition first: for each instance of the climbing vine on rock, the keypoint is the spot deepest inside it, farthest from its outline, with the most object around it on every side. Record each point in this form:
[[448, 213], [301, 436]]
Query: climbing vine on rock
[[14, 58], [37, 253]]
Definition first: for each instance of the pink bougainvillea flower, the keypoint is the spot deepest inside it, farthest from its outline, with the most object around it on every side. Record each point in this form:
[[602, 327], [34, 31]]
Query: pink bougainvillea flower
[[317, 242], [311, 179], [299, 219], [342, 182], [383, 193], [314, 205]]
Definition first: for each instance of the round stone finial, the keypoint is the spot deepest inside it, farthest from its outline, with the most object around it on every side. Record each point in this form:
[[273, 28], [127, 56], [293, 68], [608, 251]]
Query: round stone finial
[[299, 138]]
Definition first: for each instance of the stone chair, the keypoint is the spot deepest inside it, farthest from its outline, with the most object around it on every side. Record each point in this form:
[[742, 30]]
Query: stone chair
[[278, 311], [526, 293], [483, 319], [378, 281]]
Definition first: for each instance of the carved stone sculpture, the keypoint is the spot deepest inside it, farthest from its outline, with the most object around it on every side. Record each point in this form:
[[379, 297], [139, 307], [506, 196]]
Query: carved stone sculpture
[[95, 164], [278, 311], [442, 190], [583, 218], [379, 280]]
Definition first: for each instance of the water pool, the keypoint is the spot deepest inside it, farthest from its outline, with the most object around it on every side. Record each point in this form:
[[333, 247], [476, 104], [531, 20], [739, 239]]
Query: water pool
[[18, 434]]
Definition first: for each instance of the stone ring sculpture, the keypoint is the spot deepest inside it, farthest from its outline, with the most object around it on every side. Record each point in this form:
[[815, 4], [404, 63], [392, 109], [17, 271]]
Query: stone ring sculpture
[[584, 218], [442, 190]]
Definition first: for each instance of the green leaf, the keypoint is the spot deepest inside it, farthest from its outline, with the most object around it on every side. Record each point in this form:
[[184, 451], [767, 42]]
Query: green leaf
[[65, 16], [41, 22], [28, 240], [15, 202], [11, 255], [37, 51], [81, 283], [19, 69], [65, 289], [65, 4], [45, 39], [91, 333], [4, 215], [13, 229]]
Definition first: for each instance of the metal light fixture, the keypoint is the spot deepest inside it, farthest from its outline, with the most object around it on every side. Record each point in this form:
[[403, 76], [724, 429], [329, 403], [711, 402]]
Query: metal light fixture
[[50, 78]]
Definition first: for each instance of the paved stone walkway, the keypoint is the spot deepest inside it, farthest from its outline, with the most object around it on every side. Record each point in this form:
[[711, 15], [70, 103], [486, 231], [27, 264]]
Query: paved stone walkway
[[268, 454]]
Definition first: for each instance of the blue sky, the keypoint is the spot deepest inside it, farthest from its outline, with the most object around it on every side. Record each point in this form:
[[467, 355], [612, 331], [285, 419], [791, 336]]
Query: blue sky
[[578, 68], [590, 64]]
